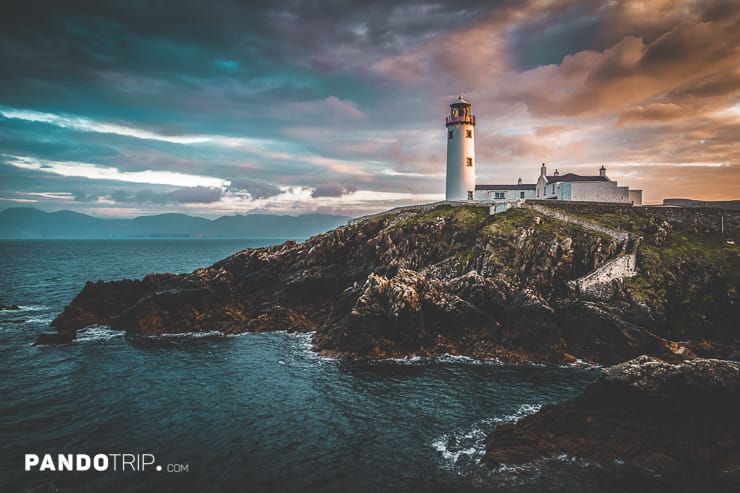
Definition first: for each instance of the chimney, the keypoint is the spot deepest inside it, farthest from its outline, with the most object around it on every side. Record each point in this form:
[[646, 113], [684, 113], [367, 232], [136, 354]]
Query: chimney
[[557, 173], [519, 182], [602, 172], [543, 170]]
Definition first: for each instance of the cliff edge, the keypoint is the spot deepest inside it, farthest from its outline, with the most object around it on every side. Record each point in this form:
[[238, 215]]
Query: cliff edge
[[446, 279]]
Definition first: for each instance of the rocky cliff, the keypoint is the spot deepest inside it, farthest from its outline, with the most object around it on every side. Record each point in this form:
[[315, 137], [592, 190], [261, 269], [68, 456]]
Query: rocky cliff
[[645, 412], [452, 280]]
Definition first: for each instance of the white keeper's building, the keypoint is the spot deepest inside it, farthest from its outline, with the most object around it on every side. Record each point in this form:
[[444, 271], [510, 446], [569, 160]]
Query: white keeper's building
[[592, 188], [461, 165], [506, 192]]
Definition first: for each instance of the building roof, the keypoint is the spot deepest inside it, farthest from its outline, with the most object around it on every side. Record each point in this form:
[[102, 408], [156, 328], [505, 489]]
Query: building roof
[[461, 101], [525, 186], [569, 177]]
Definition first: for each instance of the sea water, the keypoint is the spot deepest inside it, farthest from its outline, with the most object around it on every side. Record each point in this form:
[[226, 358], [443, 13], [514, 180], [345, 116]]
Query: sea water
[[255, 412]]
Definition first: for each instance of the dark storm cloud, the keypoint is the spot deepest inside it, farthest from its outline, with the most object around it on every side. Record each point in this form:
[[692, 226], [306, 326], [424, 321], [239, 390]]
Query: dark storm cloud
[[288, 97], [638, 67], [255, 188], [20, 137], [244, 49], [193, 195], [333, 190], [196, 195], [547, 38]]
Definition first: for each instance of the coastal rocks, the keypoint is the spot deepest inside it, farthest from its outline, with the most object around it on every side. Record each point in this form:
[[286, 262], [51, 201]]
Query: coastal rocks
[[61, 337], [646, 374], [645, 412], [658, 232], [441, 280], [158, 304], [598, 332], [409, 313], [9, 307]]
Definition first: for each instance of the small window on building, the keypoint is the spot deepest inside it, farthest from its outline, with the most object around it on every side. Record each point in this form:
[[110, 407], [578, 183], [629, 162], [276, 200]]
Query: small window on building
[[470, 195], [553, 188], [499, 195], [521, 195], [469, 134], [469, 161], [449, 134]]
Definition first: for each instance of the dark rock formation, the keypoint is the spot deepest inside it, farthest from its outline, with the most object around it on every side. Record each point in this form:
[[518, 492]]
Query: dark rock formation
[[438, 280], [55, 338], [645, 413], [9, 307]]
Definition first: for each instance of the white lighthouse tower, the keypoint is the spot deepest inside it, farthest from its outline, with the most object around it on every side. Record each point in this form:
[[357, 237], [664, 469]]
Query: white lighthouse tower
[[460, 151]]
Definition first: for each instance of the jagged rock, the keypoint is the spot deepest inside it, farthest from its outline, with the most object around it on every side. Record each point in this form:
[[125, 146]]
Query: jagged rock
[[9, 307], [449, 279], [55, 338], [648, 374], [610, 339], [644, 412]]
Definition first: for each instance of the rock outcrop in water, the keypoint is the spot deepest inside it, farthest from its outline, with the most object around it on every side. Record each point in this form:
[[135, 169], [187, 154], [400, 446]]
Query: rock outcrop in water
[[453, 280], [644, 413]]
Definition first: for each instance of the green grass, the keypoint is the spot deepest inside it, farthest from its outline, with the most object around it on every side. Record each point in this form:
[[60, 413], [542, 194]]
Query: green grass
[[638, 222], [469, 218], [514, 219], [658, 264], [709, 247]]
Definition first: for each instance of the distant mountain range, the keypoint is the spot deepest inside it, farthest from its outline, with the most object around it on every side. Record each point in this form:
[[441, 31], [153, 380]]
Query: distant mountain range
[[25, 222]]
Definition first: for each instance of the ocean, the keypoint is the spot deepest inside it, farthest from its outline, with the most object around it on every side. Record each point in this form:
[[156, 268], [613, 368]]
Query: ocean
[[254, 412]]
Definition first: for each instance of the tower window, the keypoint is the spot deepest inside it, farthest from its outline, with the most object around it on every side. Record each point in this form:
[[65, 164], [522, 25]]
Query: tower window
[[469, 161], [449, 134], [469, 134], [470, 195]]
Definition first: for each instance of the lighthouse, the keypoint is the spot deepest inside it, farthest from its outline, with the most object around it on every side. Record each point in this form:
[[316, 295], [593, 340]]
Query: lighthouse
[[460, 151]]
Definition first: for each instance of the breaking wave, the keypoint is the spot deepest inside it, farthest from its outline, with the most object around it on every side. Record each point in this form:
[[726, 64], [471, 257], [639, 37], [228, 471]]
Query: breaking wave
[[98, 333], [462, 450]]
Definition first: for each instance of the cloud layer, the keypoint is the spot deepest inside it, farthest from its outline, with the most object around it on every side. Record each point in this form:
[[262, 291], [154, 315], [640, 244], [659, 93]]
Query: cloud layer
[[121, 109]]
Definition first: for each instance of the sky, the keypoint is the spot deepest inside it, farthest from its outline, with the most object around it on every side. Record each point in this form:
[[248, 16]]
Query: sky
[[129, 108]]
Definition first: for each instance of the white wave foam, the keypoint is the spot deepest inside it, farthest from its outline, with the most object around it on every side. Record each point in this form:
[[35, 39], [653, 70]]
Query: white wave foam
[[457, 358], [408, 359], [27, 314], [463, 449], [579, 363], [98, 333], [28, 308], [189, 335], [579, 461], [304, 338], [443, 358], [39, 319], [522, 411], [305, 344]]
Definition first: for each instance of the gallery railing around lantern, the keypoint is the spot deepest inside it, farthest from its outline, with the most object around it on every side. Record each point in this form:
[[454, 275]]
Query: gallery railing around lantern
[[452, 120]]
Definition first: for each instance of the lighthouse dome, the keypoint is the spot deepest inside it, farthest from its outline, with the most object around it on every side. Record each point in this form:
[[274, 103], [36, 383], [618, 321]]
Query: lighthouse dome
[[461, 101]]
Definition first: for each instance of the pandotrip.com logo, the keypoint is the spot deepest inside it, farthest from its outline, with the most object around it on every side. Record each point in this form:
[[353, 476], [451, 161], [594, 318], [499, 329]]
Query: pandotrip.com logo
[[121, 462]]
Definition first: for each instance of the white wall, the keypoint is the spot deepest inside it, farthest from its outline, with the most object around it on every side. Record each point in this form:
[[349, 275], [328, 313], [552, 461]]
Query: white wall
[[460, 176], [508, 194], [602, 191], [560, 191]]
